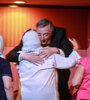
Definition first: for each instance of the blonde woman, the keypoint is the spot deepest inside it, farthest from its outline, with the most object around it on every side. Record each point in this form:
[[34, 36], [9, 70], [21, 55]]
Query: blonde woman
[[6, 92], [1, 46]]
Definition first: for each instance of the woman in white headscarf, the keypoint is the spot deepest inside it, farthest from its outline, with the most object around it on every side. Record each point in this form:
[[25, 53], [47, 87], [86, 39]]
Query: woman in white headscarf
[[39, 82]]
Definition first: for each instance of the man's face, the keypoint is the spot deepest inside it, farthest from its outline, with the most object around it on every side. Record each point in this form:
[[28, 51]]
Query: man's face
[[44, 35]]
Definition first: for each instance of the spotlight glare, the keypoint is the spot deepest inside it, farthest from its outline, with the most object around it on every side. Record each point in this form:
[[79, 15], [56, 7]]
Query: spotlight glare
[[19, 2]]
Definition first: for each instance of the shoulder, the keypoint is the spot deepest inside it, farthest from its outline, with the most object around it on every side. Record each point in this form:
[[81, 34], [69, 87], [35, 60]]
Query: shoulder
[[5, 67], [4, 62], [85, 61], [59, 30]]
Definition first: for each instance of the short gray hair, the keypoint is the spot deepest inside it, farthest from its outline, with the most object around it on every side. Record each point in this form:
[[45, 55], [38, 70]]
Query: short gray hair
[[44, 22]]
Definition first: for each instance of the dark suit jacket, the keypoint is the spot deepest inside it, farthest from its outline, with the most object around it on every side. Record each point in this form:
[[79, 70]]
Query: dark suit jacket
[[58, 40]]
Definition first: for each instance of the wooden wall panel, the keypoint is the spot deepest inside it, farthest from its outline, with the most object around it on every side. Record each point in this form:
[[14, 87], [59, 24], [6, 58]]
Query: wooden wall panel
[[14, 21]]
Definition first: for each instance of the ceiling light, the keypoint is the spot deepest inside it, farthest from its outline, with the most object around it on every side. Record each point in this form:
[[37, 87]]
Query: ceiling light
[[19, 2]]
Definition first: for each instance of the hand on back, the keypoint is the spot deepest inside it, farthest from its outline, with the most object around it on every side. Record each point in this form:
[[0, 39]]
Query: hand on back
[[32, 57]]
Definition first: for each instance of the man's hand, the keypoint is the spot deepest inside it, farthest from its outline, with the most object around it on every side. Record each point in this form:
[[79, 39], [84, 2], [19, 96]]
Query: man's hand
[[48, 51], [32, 57]]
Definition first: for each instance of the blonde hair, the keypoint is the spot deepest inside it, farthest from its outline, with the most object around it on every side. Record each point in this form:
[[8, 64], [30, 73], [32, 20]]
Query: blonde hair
[[1, 44]]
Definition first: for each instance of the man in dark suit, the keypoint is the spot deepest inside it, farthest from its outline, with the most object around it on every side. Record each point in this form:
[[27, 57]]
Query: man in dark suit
[[55, 38]]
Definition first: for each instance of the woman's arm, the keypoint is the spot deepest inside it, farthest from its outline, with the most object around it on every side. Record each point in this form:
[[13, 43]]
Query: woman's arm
[[78, 76], [66, 62], [7, 80]]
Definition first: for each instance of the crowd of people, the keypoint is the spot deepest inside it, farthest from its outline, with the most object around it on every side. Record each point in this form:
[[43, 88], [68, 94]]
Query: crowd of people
[[44, 65]]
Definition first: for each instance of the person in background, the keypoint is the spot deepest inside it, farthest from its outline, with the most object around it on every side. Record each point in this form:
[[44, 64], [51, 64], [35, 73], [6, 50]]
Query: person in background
[[39, 82], [6, 92], [1, 46], [56, 39], [81, 79]]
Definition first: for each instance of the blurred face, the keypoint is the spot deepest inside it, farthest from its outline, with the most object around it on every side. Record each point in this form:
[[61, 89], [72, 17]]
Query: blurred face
[[44, 35]]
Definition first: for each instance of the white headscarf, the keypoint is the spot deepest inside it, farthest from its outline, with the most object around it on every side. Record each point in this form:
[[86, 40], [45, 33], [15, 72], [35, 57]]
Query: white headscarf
[[31, 41]]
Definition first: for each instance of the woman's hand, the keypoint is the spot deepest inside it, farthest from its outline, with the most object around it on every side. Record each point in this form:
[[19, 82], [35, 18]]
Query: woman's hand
[[74, 43]]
